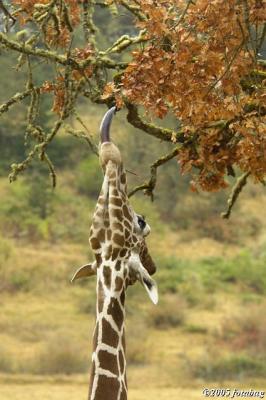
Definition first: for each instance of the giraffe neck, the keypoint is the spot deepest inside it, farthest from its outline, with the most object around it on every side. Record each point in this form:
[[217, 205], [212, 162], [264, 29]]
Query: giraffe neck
[[108, 374]]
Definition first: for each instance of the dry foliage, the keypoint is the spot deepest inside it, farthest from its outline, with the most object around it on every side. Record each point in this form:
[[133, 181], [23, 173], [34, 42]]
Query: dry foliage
[[198, 60]]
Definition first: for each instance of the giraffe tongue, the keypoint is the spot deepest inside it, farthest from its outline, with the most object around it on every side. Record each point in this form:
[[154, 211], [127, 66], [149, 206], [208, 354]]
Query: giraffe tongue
[[105, 125]]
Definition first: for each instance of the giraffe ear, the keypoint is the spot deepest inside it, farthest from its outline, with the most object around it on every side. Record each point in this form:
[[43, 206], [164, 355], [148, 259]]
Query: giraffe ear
[[150, 285], [84, 271], [146, 259]]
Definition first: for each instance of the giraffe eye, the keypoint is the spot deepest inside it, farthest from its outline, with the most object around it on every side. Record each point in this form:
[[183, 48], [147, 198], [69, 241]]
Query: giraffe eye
[[141, 222]]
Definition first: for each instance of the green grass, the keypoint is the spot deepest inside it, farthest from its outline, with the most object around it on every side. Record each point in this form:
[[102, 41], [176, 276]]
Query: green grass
[[46, 323], [41, 309], [76, 390], [233, 367]]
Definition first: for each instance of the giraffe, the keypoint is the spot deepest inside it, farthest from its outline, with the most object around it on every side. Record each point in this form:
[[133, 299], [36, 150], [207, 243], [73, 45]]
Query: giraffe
[[117, 239]]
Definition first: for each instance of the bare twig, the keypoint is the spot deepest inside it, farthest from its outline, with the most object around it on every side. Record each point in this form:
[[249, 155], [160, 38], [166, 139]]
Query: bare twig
[[248, 25], [14, 100], [149, 186], [135, 10], [87, 137], [89, 28], [7, 13], [51, 168], [183, 14], [240, 183], [235, 54], [261, 40]]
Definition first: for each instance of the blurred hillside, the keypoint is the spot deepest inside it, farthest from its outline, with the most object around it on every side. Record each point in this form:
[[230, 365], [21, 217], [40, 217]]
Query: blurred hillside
[[209, 326]]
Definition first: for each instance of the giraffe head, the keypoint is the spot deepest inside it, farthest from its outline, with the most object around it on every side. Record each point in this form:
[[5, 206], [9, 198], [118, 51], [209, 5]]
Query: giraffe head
[[109, 152], [118, 232]]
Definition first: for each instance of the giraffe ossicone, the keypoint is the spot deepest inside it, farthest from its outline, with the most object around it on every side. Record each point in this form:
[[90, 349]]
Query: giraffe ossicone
[[117, 239], [84, 271]]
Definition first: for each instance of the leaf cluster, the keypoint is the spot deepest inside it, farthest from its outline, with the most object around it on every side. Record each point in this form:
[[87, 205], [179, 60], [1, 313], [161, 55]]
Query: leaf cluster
[[197, 60]]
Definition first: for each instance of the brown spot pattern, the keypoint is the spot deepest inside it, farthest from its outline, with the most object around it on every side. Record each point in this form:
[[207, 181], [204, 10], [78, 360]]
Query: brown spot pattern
[[113, 388], [127, 225], [109, 234], [123, 252], [109, 336], [126, 212], [119, 239], [122, 298], [123, 394], [118, 265], [118, 226], [108, 361], [116, 201], [107, 274], [98, 258], [101, 235], [100, 297], [98, 213], [118, 283], [115, 254], [135, 239], [101, 201], [117, 213], [94, 243], [114, 309], [127, 243]]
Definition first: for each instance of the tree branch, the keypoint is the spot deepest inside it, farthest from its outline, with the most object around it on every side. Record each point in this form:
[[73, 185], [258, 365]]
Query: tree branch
[[124, 42], [160, 133], [89, 28], [135, 10], [261, 40], [60, 59], [14, 100], [26, 49], [7, 13], [240, 183], [149, 186]]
